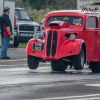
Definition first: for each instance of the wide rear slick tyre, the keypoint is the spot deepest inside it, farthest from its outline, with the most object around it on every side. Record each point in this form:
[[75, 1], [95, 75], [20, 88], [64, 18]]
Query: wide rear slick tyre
[[79, 60], [32, 62], [95, 67], [58, 67]]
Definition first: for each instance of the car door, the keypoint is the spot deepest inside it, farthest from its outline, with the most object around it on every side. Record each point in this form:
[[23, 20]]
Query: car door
[[91, 38], [98, 39]]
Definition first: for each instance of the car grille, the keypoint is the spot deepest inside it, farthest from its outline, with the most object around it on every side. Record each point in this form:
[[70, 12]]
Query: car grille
[[38, 28], [54, 43], [26, 28], [51, 43]]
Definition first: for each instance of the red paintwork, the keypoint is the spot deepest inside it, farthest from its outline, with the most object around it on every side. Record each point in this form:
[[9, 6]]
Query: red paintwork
[[90, 37], [60, 24], [63, 51]]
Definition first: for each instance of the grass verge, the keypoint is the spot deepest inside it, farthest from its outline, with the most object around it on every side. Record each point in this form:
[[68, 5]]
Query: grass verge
[[22, 44]]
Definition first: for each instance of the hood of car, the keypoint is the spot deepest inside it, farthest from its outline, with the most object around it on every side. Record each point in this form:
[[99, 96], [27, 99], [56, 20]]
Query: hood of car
[[28, 22], [66, 30], [71, 29]]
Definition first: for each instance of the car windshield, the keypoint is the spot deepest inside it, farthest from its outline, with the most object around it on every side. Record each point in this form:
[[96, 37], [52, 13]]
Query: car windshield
[[72, 20], [22, 15], [42, 22]]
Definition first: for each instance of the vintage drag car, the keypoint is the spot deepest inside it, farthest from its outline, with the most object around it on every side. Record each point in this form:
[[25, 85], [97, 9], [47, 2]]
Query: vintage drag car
[[70, 38]]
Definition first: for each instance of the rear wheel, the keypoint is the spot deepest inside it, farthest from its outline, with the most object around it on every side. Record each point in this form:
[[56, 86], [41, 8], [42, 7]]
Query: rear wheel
[[58, 66], [32, 62], [95, 67], [16, 44], [11, 45], [79, 60]]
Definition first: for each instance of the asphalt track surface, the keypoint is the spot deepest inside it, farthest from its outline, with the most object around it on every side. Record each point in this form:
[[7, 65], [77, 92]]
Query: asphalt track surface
[[17, 82]]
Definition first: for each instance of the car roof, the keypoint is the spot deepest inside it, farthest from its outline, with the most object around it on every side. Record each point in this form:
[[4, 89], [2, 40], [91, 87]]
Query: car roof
[[18, 8], [73, 12]]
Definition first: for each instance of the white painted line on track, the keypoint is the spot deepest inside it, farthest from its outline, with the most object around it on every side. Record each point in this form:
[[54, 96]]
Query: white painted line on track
[[11, 80], [12, 60], [12, 65], [19, 60], [95, 85], [71, 97], [93, 98], [23, 64]]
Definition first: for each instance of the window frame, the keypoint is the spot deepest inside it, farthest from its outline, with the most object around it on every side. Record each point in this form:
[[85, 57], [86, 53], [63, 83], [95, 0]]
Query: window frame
[[63, 16], [19, 10], [96, 22]]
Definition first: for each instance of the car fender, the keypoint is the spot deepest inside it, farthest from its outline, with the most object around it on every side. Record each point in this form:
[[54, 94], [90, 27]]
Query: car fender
[[69, 48], [31, 52]]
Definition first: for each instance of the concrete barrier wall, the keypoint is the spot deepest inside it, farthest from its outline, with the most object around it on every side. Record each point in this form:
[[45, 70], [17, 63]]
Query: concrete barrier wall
[[11, 4], [1, 12]]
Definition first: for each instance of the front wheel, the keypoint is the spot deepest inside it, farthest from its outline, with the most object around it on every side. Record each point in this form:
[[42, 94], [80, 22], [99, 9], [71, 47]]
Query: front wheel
[[32, 62], [58, 66], [79, 60], [95, 67]]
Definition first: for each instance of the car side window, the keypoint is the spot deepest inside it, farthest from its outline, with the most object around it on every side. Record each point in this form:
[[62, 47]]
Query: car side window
[[92, 22]]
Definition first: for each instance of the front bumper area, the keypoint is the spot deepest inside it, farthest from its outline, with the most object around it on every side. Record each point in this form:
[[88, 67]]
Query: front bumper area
[[66, 49], [22, 39]]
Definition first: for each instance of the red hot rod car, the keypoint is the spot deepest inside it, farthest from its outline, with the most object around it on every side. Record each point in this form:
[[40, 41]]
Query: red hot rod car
[[70, 38]]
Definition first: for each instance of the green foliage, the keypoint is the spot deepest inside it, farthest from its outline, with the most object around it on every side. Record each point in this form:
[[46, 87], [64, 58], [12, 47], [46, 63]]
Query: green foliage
[[38, 8]]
